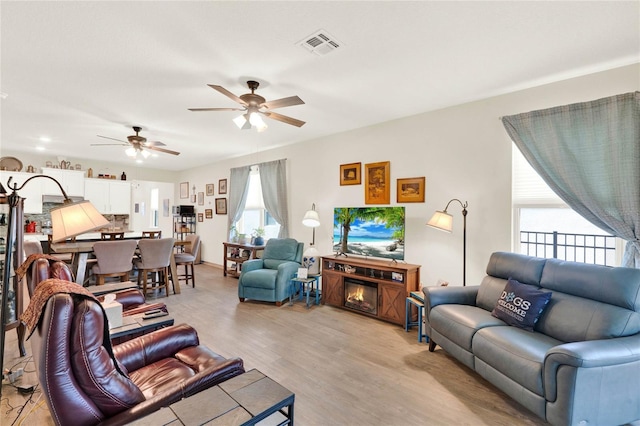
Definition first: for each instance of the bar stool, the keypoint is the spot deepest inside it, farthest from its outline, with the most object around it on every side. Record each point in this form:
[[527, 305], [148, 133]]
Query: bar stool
[[188, 258], [152, 234], [108, 235], [114, 259], [155, 257]]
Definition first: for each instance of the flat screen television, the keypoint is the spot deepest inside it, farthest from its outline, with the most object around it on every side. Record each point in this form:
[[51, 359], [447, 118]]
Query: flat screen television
[[369, 231]]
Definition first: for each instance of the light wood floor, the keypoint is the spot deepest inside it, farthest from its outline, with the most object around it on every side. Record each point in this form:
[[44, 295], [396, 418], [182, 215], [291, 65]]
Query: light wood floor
[[344, 368]]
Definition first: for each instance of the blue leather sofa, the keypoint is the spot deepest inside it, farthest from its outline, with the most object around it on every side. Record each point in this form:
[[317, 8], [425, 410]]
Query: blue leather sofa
[[580, 365], [269, 278]]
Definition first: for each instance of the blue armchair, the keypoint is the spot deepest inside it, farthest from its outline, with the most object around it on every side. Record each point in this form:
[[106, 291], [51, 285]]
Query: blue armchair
[[269, 278]]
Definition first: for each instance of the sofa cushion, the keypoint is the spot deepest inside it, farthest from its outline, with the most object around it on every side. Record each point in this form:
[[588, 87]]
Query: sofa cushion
[[516, 353], [520, 304], [460, 322]]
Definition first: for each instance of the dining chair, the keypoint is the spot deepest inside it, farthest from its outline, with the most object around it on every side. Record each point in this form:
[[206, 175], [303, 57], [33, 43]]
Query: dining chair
[[155, 257], [31, 247], [114, 259], [112, 235], [152, 234], [188, 258]]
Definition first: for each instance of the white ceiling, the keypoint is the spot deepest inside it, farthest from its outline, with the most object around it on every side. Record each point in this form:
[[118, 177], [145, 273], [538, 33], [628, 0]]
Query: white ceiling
[[74, 70]]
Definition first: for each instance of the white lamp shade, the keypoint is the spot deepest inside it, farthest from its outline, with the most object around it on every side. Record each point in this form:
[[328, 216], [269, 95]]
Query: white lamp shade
[[311, 219], [74, 219], [442, 221]]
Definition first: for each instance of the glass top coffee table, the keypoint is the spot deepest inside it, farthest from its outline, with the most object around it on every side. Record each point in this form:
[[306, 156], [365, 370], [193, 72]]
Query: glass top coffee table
[[137, 325], [240, 401]]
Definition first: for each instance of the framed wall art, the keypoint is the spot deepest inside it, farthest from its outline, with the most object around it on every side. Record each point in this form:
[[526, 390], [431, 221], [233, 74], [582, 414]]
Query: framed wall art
[[208, 213], [193, 198], [201, 198], [410, 190], [222, 186], [350, 174], [221, 206], [184, 190], [200, 217], [209, 189], [376, 183]]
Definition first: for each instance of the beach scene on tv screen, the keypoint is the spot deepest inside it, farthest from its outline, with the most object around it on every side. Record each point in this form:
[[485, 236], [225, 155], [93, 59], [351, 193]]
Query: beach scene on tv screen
[[369, 231]]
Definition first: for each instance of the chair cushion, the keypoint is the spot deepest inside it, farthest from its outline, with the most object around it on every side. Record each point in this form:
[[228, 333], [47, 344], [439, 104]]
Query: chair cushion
[[184, 258], [521, 305], [261, 278], [92, 366], [281, 249]]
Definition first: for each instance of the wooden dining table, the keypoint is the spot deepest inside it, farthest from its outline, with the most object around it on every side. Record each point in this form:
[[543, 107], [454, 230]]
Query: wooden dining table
[[81, 250]]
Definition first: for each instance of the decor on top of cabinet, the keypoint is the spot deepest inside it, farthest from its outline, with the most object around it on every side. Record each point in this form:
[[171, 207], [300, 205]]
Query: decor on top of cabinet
[[376, 183], [258, 236], [350, 174], [410, 190]]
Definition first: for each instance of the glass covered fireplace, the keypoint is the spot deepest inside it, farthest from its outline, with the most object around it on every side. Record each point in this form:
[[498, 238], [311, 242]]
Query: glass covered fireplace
[[361, 295]]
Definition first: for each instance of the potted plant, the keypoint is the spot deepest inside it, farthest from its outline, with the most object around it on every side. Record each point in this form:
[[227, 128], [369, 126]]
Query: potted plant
[[233, 233], [258, 234]]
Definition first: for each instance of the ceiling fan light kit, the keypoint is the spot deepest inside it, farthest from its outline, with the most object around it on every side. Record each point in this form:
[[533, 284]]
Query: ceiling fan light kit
[[137, 144], [254, 107]]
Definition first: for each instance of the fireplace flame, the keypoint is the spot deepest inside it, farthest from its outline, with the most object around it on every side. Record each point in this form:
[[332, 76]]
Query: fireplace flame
[[358, 296]]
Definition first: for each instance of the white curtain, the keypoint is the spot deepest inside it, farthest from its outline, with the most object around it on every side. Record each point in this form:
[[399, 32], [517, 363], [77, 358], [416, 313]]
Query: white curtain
[[238, 190], [273, 177], [589, 154]]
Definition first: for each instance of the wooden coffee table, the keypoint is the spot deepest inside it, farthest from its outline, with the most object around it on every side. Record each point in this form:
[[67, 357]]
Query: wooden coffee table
[[240, 401]]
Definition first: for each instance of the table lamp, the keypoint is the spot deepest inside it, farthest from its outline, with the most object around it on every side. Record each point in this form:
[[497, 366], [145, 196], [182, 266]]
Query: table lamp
[[444, 221], [69, 220]]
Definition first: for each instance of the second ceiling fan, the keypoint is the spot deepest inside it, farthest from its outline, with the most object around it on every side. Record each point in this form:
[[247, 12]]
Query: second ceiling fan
[[255, 107]]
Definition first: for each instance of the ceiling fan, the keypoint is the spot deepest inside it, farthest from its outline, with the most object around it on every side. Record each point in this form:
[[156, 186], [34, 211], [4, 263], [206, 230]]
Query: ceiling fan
[[255, 106], [138, 144]]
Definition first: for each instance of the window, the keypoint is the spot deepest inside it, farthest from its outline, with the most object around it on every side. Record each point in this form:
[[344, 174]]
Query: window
[[544, 226], [154, 207], [255, 215]]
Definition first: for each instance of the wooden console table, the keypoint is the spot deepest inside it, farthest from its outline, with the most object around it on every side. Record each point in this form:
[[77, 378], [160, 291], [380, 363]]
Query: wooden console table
[[233, 253], [393, 281]]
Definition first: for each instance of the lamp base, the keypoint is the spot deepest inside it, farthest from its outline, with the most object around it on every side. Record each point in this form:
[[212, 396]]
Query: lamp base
[[311, 260]]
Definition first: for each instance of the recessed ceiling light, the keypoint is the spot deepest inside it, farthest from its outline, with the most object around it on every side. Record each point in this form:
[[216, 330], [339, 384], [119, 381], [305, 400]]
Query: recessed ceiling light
[[41, 148], [139, 161], [45, 139]]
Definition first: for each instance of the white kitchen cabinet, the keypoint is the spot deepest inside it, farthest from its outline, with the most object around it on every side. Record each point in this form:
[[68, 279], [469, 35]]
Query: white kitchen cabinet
[[109, 196], [72, 182], [32, 192]]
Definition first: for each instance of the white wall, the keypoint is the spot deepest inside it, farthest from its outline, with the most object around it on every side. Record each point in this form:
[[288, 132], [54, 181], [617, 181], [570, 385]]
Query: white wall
[[141, 195], [463, 152]]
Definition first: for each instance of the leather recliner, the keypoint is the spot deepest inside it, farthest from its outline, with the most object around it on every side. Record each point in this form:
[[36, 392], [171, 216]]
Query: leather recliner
[[83, 384], [132, 300]]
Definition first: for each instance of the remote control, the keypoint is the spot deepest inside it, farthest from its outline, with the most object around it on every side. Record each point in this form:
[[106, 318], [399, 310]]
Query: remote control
[[156, 315], [154, 311]]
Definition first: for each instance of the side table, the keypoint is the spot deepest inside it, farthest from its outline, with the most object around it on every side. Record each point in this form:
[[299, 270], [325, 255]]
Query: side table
[[415, 299], [307, 286]]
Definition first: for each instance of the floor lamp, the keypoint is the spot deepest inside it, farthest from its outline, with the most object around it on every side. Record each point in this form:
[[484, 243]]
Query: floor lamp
[[69, 220], [444, 221], [311, 255]]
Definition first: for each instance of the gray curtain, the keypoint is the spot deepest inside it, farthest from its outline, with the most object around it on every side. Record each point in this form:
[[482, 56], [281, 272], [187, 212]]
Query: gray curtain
[[589, 154], [238, 190], [273, 178]]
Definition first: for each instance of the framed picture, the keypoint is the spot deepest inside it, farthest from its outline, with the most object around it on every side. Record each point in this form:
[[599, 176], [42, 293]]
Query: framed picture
[[208, 213], [222, 186], [209, 189], [376, 183], [200, 217], [184, 190], [201, 198], [350, 174], [193, 198], [221, 206], [410, 190]]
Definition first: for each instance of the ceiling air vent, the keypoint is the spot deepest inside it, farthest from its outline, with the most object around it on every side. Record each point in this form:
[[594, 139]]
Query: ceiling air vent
[[320, 43]]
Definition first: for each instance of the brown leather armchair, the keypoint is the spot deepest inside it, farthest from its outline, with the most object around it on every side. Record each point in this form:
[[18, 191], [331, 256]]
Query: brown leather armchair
[[132, 300], [83, 384]]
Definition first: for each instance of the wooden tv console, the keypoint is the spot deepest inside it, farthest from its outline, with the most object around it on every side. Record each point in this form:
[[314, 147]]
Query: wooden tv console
[[394, 282]]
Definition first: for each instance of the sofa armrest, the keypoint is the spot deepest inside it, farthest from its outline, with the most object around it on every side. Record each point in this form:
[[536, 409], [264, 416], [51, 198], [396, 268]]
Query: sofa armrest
[[589, 354], [149, 348], [252, 265], [434, 296]]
